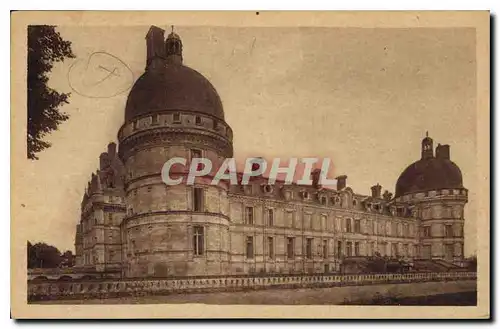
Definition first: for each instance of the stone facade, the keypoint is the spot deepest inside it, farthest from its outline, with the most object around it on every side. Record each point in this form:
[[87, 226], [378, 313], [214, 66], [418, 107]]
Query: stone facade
[[133, 223]]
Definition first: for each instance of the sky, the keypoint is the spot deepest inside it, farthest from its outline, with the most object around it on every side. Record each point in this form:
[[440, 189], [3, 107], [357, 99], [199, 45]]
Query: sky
[[362, 97]]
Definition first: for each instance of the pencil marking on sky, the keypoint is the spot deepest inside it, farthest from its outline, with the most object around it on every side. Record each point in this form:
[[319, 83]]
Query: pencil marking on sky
[[103, 76]]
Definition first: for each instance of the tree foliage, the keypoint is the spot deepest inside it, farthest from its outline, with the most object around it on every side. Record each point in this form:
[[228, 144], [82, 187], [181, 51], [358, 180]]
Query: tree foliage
[[472, 263], [42, 255], [45, 47], [67, 259]]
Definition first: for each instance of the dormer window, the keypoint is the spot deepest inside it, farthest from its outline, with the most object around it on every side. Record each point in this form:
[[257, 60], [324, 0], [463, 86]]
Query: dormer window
[[305, 195], [268, 188], [198, 121], [177, 118], [323, 200]]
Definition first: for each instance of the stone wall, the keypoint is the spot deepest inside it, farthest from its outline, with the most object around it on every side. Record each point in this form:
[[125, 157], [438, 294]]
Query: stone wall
[[50, 290]]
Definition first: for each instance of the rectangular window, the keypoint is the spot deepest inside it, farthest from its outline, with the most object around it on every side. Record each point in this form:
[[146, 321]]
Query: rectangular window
[[198, 199], [215, 125], [198, 121], [198, 238], [177, 118], [394, 250], [356, 248], [427, 231], [348, 249], [448, 231], [270, 217], [308, 248], [270, 247], [249, 215], [325, 249], [339, 248], [290, 246], [449, 251], [357, 226], [348, 225], [195, 154], [290, 219], [249, 247]]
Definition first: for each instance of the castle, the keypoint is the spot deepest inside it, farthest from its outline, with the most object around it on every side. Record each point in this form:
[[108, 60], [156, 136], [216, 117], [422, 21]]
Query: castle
[[133, 224]]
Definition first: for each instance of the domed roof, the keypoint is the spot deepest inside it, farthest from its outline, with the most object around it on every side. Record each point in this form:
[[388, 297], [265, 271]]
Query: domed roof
[[428, 174], [173, 87]]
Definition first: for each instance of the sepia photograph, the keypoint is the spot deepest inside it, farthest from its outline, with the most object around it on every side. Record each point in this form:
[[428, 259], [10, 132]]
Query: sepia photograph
[[328, 162]]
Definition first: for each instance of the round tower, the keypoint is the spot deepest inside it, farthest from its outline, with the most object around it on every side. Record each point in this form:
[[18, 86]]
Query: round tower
[[173, 111], [432, 188]]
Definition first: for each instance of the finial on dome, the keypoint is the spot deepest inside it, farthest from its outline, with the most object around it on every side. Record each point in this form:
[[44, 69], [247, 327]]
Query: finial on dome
[[173, 46], [427, 151]]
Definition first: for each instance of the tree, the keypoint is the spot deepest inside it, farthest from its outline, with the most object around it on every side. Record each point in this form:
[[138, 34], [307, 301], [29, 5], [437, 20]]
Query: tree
[[472, 263], [67, 259], [31, 256], [42, 255], [45, 47]]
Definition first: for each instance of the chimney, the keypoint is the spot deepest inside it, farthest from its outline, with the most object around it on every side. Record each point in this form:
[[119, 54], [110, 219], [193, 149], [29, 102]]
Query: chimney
[[376, 190], [111, 150], [103, 161], [315, 174], [341, 182], [155, 46], [443, 152]]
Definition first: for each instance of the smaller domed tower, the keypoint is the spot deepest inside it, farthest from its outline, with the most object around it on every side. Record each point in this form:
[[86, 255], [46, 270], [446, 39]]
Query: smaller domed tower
[[432, 188]]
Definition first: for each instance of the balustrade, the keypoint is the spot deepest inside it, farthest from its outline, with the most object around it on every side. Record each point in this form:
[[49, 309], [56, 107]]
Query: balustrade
[[112, 288]]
